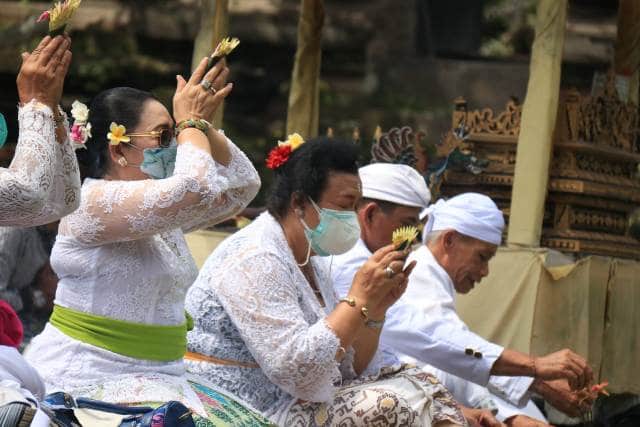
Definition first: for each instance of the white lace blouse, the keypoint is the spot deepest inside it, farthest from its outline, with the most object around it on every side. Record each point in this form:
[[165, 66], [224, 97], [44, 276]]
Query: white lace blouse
[[42, 184], [252, 304], [123, 255]]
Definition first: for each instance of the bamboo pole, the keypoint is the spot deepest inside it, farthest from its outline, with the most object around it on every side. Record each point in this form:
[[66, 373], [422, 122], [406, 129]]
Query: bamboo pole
[[214, 25], [538, 121], [627, 46], [303, 108]]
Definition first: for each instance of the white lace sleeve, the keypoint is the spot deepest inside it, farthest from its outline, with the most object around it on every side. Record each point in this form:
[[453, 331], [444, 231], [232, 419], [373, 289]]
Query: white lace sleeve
[[243, 182], [200, 191], [42, 183], [259, 295], [68, 176]]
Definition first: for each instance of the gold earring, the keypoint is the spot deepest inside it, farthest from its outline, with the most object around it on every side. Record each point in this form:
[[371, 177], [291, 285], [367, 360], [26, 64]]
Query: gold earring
[[122, 162]]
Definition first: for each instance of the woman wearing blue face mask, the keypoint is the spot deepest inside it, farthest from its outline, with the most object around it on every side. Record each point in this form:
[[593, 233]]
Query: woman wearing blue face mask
[[268, 326], [118, 329]]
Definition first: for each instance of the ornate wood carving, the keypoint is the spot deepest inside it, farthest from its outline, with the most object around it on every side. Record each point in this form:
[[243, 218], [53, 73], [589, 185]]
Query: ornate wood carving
[[594, 180], [485, 122]]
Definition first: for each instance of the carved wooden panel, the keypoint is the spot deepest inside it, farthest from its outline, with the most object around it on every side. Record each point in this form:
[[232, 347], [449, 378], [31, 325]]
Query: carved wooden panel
[[594, 179]]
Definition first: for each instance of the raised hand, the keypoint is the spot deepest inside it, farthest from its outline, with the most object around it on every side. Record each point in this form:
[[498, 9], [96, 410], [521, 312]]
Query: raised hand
[[200, 97], [43, 71]]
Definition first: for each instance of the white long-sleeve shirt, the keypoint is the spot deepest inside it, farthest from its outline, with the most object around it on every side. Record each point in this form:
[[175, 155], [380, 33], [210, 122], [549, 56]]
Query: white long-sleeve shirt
[[423, 327], [42, 184], [122, 255]]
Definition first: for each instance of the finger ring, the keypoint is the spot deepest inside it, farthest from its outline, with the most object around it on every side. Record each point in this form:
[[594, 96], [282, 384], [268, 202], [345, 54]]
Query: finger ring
[[205, 84], [389, 272], [213, 90]]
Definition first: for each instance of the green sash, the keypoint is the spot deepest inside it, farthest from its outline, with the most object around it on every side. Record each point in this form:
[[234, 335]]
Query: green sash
[[137, 340]]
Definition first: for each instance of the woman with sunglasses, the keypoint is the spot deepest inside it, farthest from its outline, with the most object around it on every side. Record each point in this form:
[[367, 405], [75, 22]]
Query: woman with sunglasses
[[118, 329]]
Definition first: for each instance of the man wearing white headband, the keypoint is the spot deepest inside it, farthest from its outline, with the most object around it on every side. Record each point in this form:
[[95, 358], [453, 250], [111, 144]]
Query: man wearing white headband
[[461, 236], [393, 195]]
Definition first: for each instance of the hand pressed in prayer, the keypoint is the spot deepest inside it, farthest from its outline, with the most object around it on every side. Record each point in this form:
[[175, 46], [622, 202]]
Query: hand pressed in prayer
[[193, 101], [524, 421], [480, 417], [559, 395], [564, 364], [43, 71]]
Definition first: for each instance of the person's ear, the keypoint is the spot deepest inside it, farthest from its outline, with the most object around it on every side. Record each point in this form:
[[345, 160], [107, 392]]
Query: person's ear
[[117, 157], [297, 204], [368, 211], [448, 239]]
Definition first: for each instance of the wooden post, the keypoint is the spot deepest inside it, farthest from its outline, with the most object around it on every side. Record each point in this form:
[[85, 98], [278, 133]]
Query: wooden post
[[303, 109], [214, 25], [627, 47], [538, 121]]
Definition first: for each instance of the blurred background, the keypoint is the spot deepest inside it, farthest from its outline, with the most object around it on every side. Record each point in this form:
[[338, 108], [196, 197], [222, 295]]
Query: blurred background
[[384, 62]]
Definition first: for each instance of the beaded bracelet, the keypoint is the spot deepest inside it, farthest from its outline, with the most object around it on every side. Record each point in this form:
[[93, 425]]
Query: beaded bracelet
[[200, 124]]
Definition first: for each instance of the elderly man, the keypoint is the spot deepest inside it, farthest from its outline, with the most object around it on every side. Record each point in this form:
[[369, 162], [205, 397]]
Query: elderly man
[[393, 195], [424, 327]]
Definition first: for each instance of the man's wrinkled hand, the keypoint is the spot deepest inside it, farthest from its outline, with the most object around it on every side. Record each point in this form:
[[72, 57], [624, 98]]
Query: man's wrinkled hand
[[559, 395]]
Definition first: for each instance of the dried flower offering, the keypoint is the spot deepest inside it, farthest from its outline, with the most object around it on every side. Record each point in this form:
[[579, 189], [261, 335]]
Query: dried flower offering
[[600, 388], [404, 237], [224, 48], [59, 16]]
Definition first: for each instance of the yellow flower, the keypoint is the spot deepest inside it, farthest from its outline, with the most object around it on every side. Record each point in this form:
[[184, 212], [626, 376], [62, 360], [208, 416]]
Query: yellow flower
[[294, 141], [117, 134], [225, 47], [61, 13], [403, 237]]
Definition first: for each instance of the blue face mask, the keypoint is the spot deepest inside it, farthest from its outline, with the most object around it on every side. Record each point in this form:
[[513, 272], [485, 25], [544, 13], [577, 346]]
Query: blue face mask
[[336, 233], [3, 131], [159, 162]]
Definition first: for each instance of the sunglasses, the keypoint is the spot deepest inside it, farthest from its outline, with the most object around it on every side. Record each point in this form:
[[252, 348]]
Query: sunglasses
[[164, 136]]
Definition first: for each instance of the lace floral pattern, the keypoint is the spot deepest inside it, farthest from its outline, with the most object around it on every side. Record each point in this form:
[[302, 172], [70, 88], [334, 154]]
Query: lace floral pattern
[[42, 184], [252, 304], [123, 255]]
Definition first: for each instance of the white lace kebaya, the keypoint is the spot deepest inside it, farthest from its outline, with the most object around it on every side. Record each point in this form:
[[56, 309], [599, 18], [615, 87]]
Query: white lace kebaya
[[122, 255], [42, 184], [252, 304]]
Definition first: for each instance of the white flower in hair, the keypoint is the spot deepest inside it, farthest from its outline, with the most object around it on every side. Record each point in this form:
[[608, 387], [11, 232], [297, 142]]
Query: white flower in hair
[[80, 131], [79, 112]]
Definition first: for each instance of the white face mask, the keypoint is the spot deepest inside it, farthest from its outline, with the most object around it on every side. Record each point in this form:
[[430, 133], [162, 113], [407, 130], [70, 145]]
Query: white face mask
[[336, 233]]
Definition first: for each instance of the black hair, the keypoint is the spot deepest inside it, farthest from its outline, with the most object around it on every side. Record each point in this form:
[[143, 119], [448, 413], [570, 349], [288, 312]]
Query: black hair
[[307, 171], [121, 105]]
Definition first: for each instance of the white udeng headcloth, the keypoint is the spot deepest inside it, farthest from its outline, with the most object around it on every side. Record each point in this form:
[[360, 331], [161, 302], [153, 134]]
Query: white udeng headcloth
[[472, 214], [395, 183]]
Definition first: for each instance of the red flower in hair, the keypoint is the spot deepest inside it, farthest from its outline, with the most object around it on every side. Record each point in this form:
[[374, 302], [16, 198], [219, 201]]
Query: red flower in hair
[[278, 156], [10, 326]]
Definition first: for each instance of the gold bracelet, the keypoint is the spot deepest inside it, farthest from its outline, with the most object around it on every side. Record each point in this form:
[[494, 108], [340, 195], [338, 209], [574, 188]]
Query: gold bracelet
[[364, 311]]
